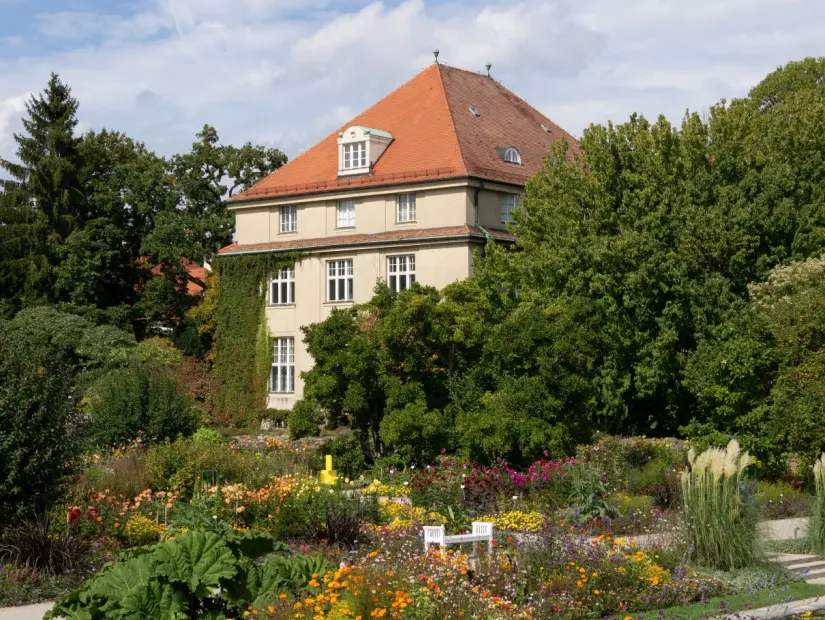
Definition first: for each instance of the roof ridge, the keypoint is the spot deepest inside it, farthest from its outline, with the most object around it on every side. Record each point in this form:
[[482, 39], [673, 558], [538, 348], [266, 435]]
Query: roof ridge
[[452, 120]]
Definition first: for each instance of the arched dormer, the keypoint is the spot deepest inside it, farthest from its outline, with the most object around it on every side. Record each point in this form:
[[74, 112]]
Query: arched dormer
[[359, 148], [510, 155]]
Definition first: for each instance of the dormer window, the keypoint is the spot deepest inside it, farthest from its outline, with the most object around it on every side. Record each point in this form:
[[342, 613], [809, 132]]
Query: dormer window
[[359, 148], [510, 155], [355, 155]]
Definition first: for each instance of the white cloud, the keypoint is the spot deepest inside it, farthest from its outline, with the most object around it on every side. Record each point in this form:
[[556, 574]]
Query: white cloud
[[287, 72], [10, 111]]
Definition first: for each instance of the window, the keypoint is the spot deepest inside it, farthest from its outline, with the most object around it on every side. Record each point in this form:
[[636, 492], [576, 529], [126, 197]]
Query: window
[[346, 214], [400, 272], [405, 211], [339, 280], [282, 377], [282, 288], [289, 219], [511, 156], [509, 202], [355, 155]]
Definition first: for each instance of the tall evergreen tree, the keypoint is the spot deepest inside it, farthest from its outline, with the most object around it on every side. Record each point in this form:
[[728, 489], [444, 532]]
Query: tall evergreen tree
[[42, 202]]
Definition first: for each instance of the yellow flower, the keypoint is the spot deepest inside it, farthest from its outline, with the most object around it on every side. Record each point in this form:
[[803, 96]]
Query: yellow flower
[[596, 592]]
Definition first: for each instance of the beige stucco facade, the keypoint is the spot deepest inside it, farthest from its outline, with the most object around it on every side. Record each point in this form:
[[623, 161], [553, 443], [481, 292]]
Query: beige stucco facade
[[438, 261]]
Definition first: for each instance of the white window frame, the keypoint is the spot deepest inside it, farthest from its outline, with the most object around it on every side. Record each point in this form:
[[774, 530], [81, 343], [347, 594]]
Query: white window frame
[[400, 271], [405, 208], [512, 156], [340, 280], [345, 213], [508, 204], [289, 219], [282, 374], [355, 155], [282, 288]]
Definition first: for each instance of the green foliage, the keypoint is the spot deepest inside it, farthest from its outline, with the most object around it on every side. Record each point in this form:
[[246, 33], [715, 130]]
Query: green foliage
[[137, 401], [208, 436], [722, 526], [179, 463], [816, 523], [391, 357], [42, 203], [328, 516], [348, 456], [39, 422], [197, 574], [243, 348]]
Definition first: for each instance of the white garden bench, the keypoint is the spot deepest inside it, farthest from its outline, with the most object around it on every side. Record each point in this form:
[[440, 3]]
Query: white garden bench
[[482, 532]]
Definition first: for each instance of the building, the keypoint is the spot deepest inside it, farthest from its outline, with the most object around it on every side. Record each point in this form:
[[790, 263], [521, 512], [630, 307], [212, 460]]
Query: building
[[405, 192]]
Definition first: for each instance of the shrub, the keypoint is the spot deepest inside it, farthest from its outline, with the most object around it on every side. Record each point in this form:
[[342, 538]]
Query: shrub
[[587, 493], [132, 402], [625, 504], [721, 526], [207, 435], [816, 524], [141, 530], [39, 423], [179, 463], [781, 500], [347, 456], [123, 473]]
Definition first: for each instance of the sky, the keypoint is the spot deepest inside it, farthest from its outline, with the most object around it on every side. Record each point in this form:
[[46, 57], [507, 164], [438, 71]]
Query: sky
[[286, 73]]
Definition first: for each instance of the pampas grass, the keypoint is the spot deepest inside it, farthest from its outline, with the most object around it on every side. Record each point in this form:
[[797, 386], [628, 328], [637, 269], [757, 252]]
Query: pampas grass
[[722, 529], [816, 524]]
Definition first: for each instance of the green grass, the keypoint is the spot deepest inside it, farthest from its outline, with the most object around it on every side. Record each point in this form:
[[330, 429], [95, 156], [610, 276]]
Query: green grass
[[792, 545], [744, 601]]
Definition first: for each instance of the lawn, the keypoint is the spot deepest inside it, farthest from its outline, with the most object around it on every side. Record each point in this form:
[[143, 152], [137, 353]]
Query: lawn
[[743, 601]]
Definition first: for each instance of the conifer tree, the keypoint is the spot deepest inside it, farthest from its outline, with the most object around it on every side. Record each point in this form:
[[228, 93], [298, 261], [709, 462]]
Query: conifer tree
[[41, 201]]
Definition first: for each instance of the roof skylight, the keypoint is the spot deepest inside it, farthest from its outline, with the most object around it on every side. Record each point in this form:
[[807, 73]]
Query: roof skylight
[[474, 111]]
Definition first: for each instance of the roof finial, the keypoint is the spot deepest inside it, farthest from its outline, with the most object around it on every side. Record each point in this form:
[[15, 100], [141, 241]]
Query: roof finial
[[489, 66], [435, 53]]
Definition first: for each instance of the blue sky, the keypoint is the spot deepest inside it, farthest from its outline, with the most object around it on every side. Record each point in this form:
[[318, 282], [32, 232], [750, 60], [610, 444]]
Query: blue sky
[[287, 72]]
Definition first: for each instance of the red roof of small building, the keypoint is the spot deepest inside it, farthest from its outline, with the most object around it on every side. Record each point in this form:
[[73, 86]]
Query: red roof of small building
[[413, 234], [197, 274], [435, 136]]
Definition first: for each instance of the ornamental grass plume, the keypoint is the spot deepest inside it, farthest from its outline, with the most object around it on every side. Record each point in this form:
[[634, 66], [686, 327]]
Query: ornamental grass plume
[[722, 528], [816, 524]]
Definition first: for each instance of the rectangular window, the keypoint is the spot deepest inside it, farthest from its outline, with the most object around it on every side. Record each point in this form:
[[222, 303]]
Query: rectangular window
[[400, 272], [405, 211], [289, 219], [509, 202], [346, 214], [282, 377], [355, 155], [282, 288], [339, 280]]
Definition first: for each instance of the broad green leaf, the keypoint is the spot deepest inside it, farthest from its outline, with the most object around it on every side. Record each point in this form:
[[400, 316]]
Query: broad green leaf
[[198, 559], [156, 600]]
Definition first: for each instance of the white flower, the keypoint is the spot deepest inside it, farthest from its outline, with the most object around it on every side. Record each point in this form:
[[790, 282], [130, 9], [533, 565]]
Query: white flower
[[406, 483]]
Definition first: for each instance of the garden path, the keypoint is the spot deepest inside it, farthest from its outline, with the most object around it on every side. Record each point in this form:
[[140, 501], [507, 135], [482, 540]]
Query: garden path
[[26, 612]]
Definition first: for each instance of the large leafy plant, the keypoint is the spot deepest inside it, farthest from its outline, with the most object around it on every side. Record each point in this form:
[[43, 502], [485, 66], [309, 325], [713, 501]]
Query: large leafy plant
[[195, 575]]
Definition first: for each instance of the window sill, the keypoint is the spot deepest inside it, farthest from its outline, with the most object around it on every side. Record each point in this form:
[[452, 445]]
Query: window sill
[[345, 228], [288, 232], [406, 223], [282, 393], [292, 305], [339, 303]]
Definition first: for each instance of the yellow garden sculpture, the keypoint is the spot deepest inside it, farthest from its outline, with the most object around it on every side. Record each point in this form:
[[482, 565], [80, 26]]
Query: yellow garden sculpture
[[328, 475]]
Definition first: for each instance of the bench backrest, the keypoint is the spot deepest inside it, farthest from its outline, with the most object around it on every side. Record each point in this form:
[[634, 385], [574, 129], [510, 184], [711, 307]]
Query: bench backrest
[[482, 528]]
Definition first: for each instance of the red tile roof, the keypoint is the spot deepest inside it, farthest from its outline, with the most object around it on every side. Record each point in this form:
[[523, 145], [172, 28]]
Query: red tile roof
[[434, 137], [412, 234]]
